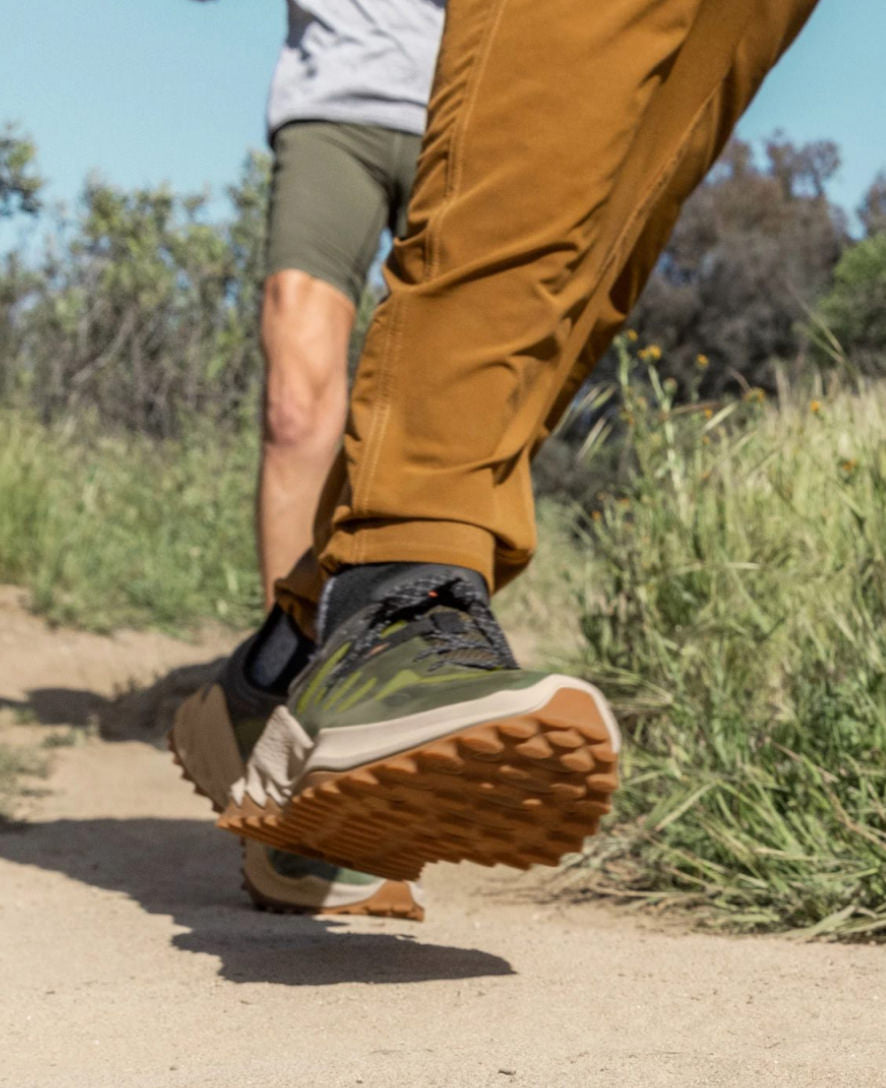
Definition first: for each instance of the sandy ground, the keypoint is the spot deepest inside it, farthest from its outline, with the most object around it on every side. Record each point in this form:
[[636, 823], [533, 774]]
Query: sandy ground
[[130, 958]]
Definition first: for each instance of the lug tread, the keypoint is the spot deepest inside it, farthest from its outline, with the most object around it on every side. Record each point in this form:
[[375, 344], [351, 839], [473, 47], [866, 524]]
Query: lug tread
[[490, 793]]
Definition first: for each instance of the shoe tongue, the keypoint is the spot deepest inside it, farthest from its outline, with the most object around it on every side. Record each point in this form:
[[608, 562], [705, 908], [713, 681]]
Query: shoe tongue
[[356, 587]]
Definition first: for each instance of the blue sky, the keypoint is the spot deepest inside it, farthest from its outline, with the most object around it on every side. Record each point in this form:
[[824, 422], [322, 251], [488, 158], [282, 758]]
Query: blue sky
[[175, 90]]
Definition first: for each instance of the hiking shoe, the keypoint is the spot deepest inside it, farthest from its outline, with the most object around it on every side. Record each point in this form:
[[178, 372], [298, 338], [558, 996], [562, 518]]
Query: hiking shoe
[[413, 736], [212, 735], [213, 731], [292, 884]]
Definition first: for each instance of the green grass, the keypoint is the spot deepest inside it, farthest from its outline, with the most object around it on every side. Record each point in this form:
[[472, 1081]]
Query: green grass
[[728, 593], [111, 531], [734, 610], [539, 607]]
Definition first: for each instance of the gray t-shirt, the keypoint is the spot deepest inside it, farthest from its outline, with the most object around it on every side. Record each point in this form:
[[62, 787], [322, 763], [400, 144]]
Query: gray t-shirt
[[360, 61]]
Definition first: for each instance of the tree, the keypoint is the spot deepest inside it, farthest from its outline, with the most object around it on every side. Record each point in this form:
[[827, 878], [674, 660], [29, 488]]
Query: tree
[[872, 212], [143, 310], [754, 248], [20, 184], [854, 310]]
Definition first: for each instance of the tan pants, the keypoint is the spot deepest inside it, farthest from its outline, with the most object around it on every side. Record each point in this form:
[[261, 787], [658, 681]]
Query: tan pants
[[563, 138]]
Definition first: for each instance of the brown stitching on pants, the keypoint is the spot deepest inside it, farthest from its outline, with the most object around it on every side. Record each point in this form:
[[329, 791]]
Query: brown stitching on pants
[[660, 182], [380, 416], [454, 161], [386, 379]]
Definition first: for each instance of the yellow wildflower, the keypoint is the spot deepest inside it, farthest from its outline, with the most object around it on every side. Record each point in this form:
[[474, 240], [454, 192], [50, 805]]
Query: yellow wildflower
[[702, 361], [632, 335], [708, 412], [815, 406]]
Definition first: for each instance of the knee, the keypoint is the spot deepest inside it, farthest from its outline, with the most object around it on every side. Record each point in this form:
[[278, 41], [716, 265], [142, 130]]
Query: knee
[[293, 418], [303, 408]]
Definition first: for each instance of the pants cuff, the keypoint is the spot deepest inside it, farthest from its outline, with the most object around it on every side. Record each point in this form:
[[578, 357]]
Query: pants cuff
[[449, 542]]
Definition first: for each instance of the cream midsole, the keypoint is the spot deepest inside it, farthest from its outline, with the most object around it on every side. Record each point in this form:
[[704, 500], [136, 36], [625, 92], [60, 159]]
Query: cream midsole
[[348, 746], [285, 754]]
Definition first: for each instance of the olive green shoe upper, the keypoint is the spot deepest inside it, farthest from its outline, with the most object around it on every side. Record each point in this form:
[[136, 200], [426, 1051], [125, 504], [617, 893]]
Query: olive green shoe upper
[[422, 656], [427, 644], [413, 736]]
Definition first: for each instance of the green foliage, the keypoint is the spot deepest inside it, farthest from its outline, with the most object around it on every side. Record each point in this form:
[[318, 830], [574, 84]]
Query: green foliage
[[735, 611], [853, 312], [124, 531], [141, 310], [20, 184], [144, 307]]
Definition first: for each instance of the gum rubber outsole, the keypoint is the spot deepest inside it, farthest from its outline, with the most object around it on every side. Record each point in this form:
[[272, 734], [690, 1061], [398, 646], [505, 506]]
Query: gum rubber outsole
[[393, 900], [519, 791]]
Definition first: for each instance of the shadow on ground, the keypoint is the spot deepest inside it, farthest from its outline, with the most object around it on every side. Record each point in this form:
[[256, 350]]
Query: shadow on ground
[[141, 713], [186, 869]]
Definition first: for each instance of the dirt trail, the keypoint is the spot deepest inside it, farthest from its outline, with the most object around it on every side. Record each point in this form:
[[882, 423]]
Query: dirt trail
[[130, 958]]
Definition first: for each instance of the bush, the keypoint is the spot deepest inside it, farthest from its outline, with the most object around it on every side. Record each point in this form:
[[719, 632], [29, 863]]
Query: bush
[[853, 313], [141, 310]]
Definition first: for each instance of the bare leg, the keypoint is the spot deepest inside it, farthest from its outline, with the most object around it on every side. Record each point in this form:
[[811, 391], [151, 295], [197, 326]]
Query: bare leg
[[306, 325]]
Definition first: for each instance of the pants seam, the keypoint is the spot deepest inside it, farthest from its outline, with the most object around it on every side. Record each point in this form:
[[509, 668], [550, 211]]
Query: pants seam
[[454, 164], [374, 439], [666, 172], [376, 436]]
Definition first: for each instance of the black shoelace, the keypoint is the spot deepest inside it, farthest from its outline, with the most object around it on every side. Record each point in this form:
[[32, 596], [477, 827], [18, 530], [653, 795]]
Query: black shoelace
[[454, 621]]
